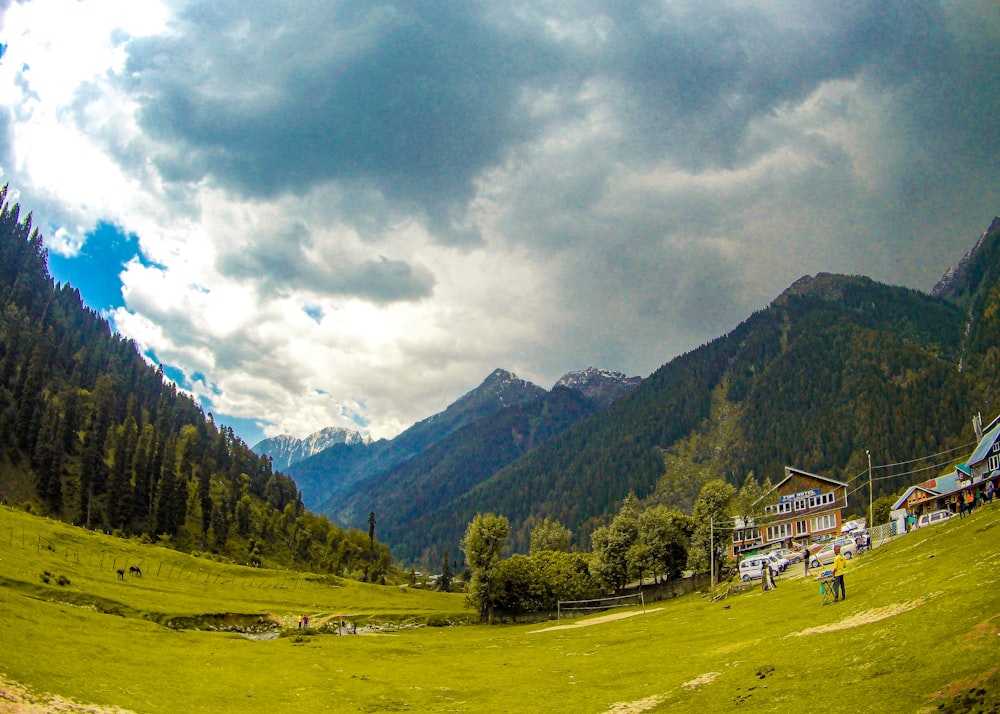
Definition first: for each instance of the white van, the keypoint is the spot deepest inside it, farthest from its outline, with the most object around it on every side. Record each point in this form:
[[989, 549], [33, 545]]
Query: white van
[[929, 519], [751, 567]]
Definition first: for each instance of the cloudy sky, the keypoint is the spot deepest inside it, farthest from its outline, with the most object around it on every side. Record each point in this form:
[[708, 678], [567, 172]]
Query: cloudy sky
[[348, 213]]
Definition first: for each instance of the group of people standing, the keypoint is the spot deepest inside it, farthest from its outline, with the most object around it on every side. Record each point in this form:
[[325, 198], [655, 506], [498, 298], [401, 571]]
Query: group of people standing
[[967, 500]]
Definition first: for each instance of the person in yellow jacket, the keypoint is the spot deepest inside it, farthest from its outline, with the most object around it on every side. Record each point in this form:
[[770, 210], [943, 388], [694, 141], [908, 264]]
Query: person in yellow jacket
[[839, 566]]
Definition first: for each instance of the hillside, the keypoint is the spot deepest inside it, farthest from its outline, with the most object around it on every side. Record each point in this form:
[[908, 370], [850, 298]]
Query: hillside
[[93, 435], [834, 366], [457, 464], [326, 476]]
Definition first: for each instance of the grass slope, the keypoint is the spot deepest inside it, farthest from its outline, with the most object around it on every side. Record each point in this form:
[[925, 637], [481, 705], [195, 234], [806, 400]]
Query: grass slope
[[919, 631]]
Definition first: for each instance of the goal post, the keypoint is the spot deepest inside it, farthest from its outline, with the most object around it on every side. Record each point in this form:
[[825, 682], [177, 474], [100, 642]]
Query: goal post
[[598, 604]]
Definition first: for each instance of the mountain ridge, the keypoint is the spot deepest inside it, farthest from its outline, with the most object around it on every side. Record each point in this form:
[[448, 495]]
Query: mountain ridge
[[331, 477], [834, 366], [286, 450]]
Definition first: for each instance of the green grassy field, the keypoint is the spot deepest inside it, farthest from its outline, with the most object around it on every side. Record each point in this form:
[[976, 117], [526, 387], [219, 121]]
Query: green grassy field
[[919, 631]]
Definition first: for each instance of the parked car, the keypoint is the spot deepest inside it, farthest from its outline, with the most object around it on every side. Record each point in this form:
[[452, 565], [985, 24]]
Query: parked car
[[851, 526], [792, 556], [778, 562], [824, 554], [929, 519]]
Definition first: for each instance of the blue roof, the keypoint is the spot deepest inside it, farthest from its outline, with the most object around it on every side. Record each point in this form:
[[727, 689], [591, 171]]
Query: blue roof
[[985, 444], [943, 484]]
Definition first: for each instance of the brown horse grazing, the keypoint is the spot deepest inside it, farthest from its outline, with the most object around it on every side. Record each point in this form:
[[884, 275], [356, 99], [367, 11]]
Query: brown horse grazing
[[121, 573], [134, 570]]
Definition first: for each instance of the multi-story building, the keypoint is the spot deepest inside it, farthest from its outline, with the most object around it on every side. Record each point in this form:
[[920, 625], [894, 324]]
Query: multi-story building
[[802, 509]]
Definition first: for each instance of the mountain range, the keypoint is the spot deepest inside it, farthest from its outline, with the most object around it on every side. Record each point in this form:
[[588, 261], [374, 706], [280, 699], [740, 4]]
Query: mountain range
[[836, 366], [335, 480], [286, 450]]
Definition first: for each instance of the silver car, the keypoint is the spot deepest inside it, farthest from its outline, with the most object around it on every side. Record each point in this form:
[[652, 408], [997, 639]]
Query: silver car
[[825, 555]]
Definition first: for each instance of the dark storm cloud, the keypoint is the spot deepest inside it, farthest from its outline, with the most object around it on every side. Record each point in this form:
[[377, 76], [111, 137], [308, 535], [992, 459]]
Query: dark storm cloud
[[413, 100], [693, 81], [412, 103], [281, 262]]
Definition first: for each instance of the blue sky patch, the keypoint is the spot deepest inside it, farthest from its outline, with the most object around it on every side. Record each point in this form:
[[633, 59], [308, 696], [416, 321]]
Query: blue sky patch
[[96, 270]]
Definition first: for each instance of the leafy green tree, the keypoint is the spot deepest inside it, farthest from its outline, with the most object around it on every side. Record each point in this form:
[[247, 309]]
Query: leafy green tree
[[566, 575], [483, 545], [549, 534], [538, 582], [611, 545], [713, 523], [751, 501], [666, 533], [881, 511], [518, 586]]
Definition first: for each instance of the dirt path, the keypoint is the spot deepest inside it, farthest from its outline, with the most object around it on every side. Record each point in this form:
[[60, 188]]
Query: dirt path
[[596, 620], [863, 618], [16, 697]]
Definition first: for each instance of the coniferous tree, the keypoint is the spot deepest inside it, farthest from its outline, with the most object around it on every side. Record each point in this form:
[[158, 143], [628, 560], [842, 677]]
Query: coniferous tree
[[444, 582]]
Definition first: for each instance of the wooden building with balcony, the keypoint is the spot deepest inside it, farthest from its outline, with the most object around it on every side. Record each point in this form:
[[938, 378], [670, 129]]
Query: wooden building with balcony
[[803, 508]]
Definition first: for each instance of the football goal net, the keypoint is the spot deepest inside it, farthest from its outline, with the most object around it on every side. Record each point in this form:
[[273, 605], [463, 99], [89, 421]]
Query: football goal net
[[572, 608]]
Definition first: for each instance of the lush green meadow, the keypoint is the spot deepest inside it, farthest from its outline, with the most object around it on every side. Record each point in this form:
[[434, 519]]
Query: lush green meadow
[[920, 629]]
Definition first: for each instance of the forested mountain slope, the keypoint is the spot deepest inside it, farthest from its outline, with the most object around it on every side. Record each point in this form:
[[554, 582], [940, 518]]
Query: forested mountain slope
[[457, 464], [326, 477], [92, 434], [835, 366]]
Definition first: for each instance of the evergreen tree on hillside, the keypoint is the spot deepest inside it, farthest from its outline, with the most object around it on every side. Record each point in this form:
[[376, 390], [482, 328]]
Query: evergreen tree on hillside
[[95, 435]]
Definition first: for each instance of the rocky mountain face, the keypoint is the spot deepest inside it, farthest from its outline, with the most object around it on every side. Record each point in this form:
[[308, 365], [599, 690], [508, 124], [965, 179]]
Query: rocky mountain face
[[957, 280], [603, 387], [495, 423], [324, 477], [286, 450]]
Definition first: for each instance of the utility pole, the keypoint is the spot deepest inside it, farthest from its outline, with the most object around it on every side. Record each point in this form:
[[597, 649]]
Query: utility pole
[[711, 551], [871, 515]]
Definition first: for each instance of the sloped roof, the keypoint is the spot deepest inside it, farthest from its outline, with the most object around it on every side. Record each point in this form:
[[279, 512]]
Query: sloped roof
[[943, 484], [901, 501], [790, 471], [985, 444]]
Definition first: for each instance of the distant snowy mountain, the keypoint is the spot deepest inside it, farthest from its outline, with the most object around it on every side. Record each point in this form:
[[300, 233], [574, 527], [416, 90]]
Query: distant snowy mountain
[[286, 450], [601, 386]]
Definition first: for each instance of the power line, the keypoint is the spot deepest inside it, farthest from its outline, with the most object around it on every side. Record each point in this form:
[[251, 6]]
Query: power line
[[904, 473], [911, 461], [929, 456]]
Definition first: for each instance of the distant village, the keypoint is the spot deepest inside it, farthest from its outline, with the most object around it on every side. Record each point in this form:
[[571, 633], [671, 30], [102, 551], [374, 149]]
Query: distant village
[[808, 509]]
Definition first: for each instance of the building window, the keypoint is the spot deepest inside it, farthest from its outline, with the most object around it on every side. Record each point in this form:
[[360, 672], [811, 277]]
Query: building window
[[779, 532], [823, 523], [800, 528], [822, 500]]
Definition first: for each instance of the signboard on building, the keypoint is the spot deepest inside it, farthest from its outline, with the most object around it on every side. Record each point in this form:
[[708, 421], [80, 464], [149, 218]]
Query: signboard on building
[[796, 496]]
